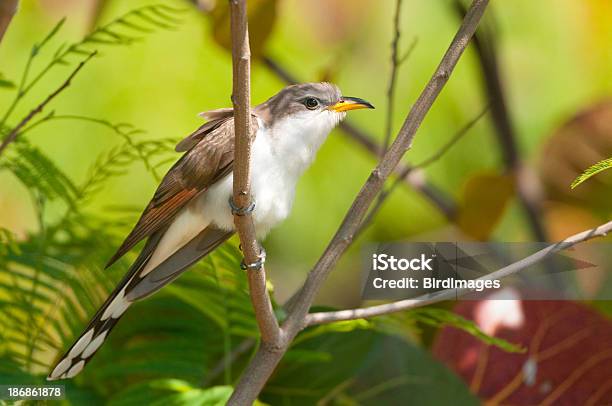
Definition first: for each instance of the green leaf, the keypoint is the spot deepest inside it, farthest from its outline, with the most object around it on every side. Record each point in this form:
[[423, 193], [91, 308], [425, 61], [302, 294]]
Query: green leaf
[[174, 392], [8, 242], [5, 83], [440, 317], [56, 28], [338, 327], [215, 396], [37, 172], [362, 367], [592, 171], [141, 20]]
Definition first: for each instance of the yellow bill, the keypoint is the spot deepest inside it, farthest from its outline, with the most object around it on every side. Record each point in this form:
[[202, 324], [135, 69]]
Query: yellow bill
[[350, 103]]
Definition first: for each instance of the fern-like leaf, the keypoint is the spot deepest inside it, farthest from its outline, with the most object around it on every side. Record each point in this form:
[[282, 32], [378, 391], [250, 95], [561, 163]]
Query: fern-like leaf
[[440, 317], [592, 171], [117, 32], [37, 172], [116, 161], [8, 242], [124, 30]]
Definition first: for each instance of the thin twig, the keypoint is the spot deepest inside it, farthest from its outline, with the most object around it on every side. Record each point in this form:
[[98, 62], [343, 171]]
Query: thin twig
[[446, 147], [409, 51], [12, 136], [241, 97], [382, 197], [24, 87], [228, 359], [266, 359], [395, 64], [393, 78], [329, 317]]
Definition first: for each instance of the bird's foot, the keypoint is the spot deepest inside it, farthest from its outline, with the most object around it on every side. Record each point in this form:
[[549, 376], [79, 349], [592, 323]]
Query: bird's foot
[[255, 266], [261, 258], [241, 211]]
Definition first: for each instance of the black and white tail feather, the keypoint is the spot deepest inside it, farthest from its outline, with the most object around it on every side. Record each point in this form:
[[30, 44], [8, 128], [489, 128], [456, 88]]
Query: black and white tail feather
[[134, 286], [101, 324]]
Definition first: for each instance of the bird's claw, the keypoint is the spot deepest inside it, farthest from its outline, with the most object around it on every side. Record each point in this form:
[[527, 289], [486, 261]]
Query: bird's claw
[[257, 265], [241, 211]]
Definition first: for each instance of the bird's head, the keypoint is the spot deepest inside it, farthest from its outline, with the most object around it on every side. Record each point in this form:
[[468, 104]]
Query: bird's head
[[312, 103]]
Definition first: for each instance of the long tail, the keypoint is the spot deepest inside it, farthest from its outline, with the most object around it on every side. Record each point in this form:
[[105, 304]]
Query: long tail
[[102, 322], [135, 285]]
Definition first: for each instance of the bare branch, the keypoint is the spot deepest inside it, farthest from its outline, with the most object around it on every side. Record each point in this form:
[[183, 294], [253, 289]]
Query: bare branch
[[267, 358], [8, 8], [12, 136], [241, 98], [464, 130], [329, 317], [408, 52]]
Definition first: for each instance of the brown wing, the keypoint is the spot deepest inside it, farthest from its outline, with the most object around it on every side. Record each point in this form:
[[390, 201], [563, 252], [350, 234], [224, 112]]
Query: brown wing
[[205, 242], [209, 159], [215, 119]]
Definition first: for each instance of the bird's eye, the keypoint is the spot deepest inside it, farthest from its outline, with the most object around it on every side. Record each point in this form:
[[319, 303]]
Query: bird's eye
[[311, 103]]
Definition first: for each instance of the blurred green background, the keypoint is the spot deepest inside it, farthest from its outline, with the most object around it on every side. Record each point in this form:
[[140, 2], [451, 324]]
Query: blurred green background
[[554, 62]]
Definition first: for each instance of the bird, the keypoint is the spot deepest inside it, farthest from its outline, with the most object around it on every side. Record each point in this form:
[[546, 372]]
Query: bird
[[190, 215]]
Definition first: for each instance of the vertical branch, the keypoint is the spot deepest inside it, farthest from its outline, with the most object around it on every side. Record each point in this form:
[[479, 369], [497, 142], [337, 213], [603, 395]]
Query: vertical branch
[[241, 99], [394, 65], [8, 8], [527, 184]]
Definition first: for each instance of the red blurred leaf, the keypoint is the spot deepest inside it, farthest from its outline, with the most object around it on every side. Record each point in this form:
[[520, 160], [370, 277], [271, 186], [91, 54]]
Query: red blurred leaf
[[579, 143], [567, 362]]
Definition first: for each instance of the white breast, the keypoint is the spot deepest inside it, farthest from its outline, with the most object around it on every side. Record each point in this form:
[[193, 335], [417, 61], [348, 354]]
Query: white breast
[[280, 155]]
